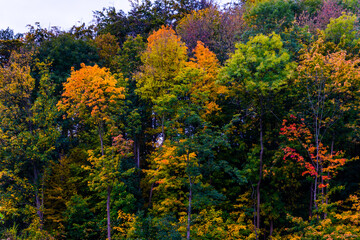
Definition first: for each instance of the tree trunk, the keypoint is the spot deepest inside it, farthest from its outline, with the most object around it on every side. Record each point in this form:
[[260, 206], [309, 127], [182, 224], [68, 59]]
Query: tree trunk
[[37, 198], [189, 210], [162, 129], [101, 139], [138, 154], [311, 200], [317, 169], [151, 193], [190, 199], [108, 213], [260, 171], [328, 174], [271, 227]]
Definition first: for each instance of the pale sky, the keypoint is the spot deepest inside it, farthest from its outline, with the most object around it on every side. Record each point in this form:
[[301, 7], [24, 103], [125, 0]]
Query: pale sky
[[16, 14]]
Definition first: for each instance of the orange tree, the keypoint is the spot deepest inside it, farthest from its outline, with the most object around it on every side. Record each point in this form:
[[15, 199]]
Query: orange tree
[[93, 95]]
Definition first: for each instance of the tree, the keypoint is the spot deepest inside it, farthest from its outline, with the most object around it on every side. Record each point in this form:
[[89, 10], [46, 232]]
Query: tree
[[64, 51], [256, 70], [164, 57], [162, 60], [8, 43], [327, 84], [271, 15], [320, 18], [176, 167], [29, 131], [107, 49], [218, 30], [341, 30], [92, 94], [322, 165]]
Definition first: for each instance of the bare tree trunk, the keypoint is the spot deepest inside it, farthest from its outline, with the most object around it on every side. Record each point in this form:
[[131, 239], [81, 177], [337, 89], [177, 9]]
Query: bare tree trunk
[[317, 166], [254, 205], [271, 227], [108, 213]]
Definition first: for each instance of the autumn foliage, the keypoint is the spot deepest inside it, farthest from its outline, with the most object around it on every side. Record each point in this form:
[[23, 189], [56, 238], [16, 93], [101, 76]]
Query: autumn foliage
[[184, 119], [90, 93]]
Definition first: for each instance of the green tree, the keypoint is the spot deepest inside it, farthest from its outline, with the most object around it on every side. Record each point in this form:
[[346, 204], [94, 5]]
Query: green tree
[[271, 15], [256, 70], [29, 132]]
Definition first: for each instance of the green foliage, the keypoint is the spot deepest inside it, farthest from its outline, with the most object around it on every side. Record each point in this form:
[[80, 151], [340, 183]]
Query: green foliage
[[342, 30], [80, 220], [65, 52], [130, 55], [272, 15], [260, 65], [351, 5], [311, 6]]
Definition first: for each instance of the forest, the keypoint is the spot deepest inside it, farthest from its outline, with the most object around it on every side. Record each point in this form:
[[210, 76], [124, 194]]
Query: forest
[[184, 119]]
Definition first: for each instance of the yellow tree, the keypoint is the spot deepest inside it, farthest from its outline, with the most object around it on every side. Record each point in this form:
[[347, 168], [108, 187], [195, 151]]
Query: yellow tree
[[162, 60], [91, 94], [176, 167]]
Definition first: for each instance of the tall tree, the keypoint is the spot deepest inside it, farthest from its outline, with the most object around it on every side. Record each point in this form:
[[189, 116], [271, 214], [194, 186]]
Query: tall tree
[[256, 70], [162, 60], [328, 85], [28, 128], [92, 94]]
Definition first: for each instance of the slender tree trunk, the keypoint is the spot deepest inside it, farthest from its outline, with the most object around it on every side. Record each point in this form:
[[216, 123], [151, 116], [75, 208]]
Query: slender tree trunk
[[100, 129], [311, 199], [37, 198], [135, 151], [151, 193], [328, 174], [190, 198], [38, 203], [163, 129], [271, 227], [101, 139], [322, 189], [317, 169], [138, 154], [256, 234], [189, 210], [260, 170], [162, 142], [108, 213]]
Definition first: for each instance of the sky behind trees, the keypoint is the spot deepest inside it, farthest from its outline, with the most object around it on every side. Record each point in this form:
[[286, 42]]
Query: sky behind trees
[[17, 14]]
